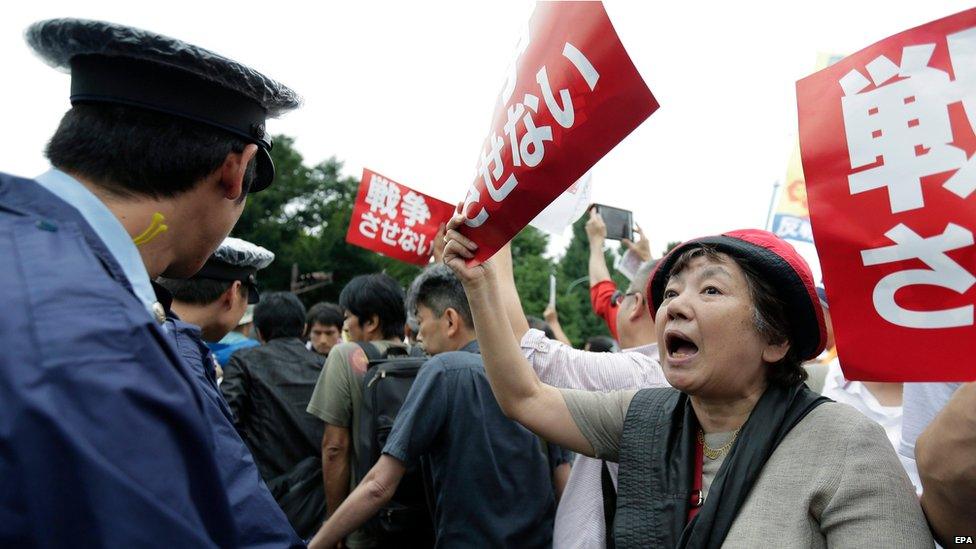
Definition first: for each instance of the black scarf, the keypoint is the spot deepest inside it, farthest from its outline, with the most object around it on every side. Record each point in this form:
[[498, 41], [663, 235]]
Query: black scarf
[[776, 413]]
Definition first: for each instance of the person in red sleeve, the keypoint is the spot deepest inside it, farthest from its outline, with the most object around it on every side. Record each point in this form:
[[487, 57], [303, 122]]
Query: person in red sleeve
[[604, 295]]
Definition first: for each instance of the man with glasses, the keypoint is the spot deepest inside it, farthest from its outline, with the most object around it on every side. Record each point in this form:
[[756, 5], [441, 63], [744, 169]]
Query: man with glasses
[[604, 295]]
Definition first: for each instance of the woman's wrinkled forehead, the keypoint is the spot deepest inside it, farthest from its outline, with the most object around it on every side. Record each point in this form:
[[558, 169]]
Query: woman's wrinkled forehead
[[697, 257]]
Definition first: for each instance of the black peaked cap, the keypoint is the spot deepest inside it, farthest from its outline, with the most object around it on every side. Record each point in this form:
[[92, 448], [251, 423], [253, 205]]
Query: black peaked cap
[[113, 63]]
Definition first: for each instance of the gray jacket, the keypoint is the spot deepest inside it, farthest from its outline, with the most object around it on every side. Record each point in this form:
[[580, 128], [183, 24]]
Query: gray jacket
[[834, 481]]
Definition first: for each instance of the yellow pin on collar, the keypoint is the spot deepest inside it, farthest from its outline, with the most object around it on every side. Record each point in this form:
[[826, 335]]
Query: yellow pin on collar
[[155, 228]]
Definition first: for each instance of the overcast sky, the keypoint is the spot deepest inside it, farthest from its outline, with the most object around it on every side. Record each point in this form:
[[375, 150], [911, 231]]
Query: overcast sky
[[407, 88]]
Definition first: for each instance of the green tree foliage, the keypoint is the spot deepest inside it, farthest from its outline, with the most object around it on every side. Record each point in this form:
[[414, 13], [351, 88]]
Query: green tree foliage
[[303, 218], [532, 270], [573, 303]]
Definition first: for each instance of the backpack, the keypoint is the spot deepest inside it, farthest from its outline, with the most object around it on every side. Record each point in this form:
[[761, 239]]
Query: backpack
[[406, 521], [299, 494]]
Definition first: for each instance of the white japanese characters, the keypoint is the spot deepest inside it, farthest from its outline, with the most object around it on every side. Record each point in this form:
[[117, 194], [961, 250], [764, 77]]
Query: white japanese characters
[[383, 196], [414, 209], [899, 131], [942, 271], [522, 135], [387, 208]]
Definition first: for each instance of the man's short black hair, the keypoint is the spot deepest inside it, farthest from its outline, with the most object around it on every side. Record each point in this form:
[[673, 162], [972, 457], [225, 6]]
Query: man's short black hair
[[279, 314], [537, 323], [326, 314], [132, 152], [376, 294], [198, 291], [602, 344], [438, 289]]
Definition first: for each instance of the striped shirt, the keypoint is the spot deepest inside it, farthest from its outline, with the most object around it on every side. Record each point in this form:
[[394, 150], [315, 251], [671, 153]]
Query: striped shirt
[[579, 517]]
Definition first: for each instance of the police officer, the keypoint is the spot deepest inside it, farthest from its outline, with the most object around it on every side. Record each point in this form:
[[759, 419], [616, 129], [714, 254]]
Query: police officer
[[205, 307], [104, 440], [208, 301], [217, 296]]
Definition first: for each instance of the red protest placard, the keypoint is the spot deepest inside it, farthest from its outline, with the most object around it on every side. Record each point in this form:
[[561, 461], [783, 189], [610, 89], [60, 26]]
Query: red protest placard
[[887, 138], [395, 220], [571, 95]]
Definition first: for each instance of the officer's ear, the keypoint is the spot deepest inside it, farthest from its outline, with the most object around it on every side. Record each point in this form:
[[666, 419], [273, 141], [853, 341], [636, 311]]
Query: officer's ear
[[233, 169], [234, 292]]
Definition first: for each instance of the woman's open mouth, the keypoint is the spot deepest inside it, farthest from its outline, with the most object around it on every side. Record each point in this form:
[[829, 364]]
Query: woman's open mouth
[[679, 346]]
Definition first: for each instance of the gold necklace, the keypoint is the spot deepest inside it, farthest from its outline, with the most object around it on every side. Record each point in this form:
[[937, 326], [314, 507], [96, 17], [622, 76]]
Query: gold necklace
[[715, 453]]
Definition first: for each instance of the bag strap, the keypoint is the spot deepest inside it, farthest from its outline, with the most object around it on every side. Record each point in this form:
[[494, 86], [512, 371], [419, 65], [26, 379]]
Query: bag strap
[[642, 518], [609, 504], [372, 353]]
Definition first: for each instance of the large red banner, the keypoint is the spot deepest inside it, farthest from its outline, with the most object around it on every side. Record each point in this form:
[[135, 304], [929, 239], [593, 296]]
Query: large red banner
[[887, 142], [395, 220], [570, 96]]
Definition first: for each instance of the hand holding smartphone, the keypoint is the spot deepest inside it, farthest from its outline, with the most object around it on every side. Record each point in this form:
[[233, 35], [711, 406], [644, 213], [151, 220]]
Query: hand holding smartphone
[[619, 222]]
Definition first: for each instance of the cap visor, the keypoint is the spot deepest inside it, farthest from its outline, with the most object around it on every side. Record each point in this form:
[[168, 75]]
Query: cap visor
[[265, 171]]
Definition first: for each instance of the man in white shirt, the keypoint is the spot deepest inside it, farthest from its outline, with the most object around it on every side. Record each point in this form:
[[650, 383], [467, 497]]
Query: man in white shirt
[[579, 517], [880, 401], [881, 404], [922, 403]]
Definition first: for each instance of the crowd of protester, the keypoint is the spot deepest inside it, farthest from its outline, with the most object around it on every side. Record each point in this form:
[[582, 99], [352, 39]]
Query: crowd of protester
[[152, 396]]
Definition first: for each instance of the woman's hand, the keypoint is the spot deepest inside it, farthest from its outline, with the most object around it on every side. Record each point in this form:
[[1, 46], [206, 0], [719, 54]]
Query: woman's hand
[[439, 242], [459, 250]]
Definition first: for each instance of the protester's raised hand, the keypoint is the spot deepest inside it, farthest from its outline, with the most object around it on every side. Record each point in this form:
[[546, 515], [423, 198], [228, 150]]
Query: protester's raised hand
[[642, 247], [439, 243], [596, 229], [550, 315], [458, 250]]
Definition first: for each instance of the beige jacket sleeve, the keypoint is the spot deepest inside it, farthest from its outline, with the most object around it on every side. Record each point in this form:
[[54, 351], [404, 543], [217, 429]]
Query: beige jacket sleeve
[[872, 503]]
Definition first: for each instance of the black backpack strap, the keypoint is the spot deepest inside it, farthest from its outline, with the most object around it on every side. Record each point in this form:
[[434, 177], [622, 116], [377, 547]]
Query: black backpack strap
[[609, 504], [372, 353]]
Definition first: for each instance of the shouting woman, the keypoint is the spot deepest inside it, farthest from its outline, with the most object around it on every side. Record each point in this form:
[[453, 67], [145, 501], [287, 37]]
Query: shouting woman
[[738, 453]]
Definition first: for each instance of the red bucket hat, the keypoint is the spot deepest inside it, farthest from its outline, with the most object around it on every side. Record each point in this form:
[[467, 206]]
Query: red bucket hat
[[779, 264]]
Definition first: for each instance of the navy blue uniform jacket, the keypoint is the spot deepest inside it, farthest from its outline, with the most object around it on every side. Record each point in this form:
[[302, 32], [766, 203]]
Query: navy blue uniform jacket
[[103, 438], [260, 522]]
